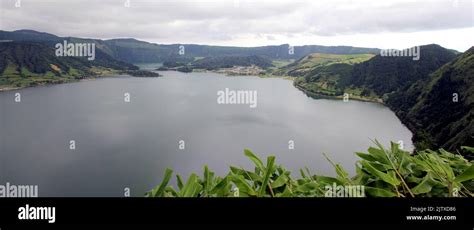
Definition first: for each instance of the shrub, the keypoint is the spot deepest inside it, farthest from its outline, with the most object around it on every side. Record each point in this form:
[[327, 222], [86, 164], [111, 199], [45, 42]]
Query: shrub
[[382, 173]]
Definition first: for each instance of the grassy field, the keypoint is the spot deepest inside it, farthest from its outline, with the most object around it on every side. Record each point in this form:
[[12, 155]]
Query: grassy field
[[12, 78], [324, 59], [321, 74], [315, 60], [281, 63]]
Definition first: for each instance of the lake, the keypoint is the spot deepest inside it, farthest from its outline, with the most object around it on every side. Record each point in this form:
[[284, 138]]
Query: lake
[[119, 144]]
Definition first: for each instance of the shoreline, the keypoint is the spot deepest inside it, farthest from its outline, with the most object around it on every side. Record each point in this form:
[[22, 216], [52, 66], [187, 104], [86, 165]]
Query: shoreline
[[229, 74], [405, 122], [12, 88], [259, 76], [70, 79], [340, 97], [7, 89], [110, 74]]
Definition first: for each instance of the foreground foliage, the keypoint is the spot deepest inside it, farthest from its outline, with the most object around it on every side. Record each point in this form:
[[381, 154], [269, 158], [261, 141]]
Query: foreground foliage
[[382, 172]]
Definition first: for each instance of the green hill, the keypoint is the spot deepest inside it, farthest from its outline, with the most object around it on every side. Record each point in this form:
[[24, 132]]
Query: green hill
[[135, 51], [431, 109], [388, 74], [324, 74], [212, 63], [25, 64], [373, 79], [325, 80], [420, 92], [312, 61]]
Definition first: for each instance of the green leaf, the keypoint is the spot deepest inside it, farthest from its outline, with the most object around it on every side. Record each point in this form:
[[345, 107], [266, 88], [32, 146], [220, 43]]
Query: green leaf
[[192, 187], [424, 186], [366, 157], [384, 176], [286, 193], [281, 180], [379, 154], [303, 175], [244, 187], [220, 186], [171, 190], [159, 192], [470, 149], [246, 174], [468, 174], [343, 175], [308, 187], [255, 159], [208, 175], [328, 180], [269, 170], [378, 192], [180, 181], [406, 165]]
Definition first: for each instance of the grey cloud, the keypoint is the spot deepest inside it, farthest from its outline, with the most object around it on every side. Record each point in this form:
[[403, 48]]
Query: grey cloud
[[168, 20]]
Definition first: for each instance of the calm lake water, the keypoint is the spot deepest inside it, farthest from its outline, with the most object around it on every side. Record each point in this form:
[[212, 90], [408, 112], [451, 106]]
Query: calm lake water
[[128, 145]]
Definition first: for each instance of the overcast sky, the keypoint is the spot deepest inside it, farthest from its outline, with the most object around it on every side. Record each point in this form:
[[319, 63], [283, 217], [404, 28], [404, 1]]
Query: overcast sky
[[376, 23]]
